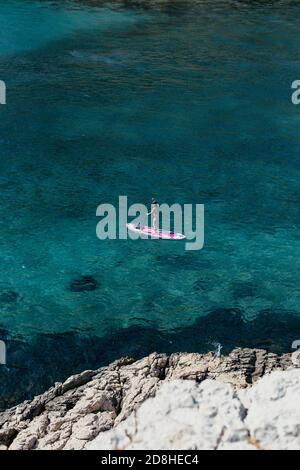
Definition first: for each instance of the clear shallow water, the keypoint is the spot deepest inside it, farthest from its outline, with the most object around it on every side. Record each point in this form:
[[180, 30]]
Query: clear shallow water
[[188, 103]]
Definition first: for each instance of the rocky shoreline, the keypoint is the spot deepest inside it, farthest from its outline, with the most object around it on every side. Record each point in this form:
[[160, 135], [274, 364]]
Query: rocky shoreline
[[72, 414]]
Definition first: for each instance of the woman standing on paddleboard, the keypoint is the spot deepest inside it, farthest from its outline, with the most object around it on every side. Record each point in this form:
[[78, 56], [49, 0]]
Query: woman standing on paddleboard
[[154, 214]]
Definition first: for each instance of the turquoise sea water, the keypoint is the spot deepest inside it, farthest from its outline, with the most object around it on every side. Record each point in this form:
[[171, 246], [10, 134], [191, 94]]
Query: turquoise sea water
[[189, 103]]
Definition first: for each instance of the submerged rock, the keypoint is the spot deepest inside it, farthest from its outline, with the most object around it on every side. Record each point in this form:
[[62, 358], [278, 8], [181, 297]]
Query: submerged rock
[[8, 297], [83, 284], [71, 414], [243, 290]]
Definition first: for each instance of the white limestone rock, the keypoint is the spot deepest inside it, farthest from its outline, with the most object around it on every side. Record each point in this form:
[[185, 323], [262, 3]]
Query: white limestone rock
[[71, 414], [183, 415], [212, 415], [273, 418]]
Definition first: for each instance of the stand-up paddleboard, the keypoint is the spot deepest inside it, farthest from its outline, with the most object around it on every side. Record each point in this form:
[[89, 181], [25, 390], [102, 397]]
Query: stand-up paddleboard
[[150, 232]]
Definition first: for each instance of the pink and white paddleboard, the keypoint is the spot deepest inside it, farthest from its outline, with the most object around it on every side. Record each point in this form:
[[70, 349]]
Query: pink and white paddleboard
[[150, 232]]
